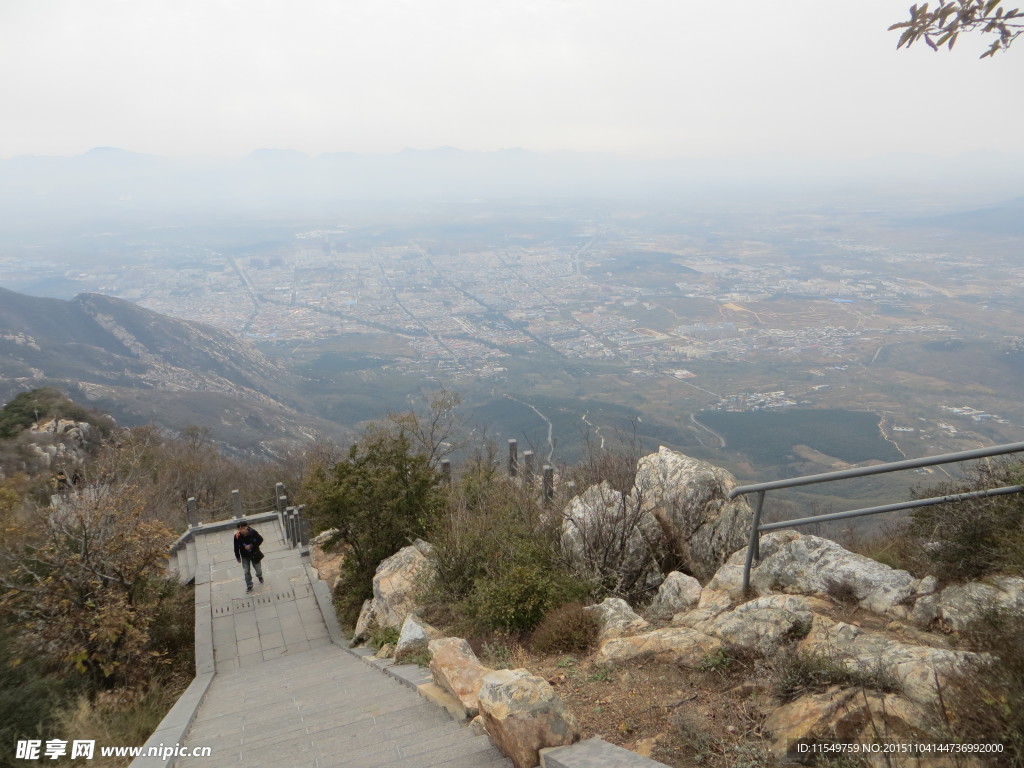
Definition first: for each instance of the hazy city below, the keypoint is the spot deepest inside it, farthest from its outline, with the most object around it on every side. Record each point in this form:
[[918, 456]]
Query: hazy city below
[[563, 318]]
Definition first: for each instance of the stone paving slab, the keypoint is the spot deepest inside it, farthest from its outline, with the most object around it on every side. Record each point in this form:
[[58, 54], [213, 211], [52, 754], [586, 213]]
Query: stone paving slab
[[594, 753]]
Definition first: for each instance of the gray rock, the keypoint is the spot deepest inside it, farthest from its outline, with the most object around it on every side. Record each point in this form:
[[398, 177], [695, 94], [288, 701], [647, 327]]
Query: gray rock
[[802, 564], [605, 535], [677, 593], [616, 618], [959, 605], [690, 499], [414, 637]]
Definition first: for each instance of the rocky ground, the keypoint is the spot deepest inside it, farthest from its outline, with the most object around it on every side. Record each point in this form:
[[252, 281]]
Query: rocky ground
[[827, 646]]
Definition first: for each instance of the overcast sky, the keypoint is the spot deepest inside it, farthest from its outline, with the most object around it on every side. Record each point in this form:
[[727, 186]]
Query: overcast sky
[[662, 78]]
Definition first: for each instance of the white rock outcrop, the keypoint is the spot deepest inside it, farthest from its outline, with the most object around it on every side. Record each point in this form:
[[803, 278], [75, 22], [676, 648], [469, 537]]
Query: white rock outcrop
[[959, 605], [801, 564], [615, 618], [920, 670], [690, 499], [604, 535], [678, 592]]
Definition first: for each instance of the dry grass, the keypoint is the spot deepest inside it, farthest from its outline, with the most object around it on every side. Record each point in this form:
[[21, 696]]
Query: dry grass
[[708, 717], [122, 718]]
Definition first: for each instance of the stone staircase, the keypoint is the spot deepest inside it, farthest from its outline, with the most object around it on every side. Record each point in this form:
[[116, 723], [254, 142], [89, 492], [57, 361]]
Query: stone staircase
[[275, 684]]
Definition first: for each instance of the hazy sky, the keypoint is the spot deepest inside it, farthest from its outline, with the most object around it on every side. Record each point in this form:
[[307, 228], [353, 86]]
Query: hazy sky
[[651, 77]]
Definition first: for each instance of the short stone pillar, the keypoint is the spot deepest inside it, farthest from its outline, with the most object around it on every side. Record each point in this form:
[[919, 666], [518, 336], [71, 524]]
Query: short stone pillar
[[289, 526], [193, 512], [446, 472], [528, 468], [303, 522], [513, 457], [549, 483], [281, 497], [236, 503]]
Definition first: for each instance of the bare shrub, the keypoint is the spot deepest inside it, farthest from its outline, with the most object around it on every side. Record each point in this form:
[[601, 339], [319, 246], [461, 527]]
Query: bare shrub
[[984, 701], [796, 672], [567, 629], [970, 539], [608, 533]]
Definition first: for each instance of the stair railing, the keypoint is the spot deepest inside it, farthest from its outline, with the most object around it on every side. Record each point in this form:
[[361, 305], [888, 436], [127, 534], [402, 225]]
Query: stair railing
[[756, 528]]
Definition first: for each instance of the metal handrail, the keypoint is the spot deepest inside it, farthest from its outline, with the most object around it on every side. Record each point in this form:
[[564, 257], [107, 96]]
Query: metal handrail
[[753, 547]]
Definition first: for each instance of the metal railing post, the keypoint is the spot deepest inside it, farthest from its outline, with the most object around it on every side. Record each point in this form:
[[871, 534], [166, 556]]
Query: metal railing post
[[754, 546]]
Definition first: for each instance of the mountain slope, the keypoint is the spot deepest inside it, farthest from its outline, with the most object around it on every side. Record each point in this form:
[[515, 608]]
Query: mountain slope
[[144, 367]]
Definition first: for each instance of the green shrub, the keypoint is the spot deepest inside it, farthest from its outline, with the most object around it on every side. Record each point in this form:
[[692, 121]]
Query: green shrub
[[566, 629], [381, 636], [351, 591], [515, 600], [380, 498], [497, 557]]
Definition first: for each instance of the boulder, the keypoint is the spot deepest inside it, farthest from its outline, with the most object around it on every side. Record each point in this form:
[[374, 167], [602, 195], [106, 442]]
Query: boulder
[[616, 618], [959, 605], [327, 563], [456, 669], [760, 625], [802, 564], [920, 670], [522, 715], [677, 593], [846, 715], [604, 533], [397, 583], [364, 624], [679, 645], [414, 637], [712, 602], [690, 499]]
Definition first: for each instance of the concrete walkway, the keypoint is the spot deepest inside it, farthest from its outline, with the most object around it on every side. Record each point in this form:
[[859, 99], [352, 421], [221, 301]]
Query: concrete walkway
[[285, 693]]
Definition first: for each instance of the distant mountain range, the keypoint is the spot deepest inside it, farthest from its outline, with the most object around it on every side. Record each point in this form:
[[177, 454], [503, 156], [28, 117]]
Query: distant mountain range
[[106, 184], [1006, 218], [143, 367]]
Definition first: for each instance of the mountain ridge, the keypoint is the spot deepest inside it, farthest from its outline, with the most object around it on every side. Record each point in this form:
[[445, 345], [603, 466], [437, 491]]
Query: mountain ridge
[[146, 367]]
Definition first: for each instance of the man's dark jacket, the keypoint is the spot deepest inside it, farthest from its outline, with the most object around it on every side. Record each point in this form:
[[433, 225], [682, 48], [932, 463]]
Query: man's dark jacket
[[251, 538]]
